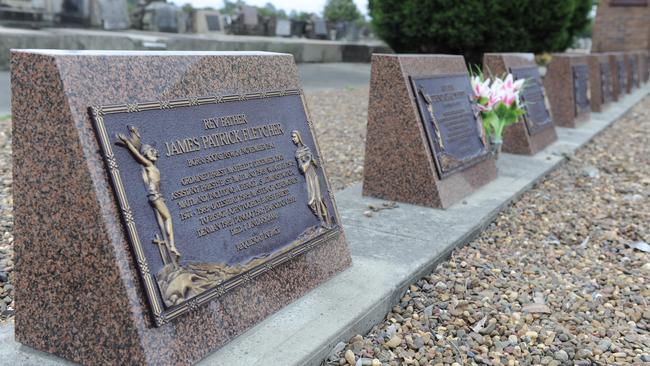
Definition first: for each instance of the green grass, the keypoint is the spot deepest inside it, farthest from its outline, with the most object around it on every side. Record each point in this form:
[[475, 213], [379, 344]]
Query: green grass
[[5, 118]]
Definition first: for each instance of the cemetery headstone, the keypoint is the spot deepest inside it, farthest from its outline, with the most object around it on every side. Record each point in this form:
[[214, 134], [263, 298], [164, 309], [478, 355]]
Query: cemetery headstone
[[536, 129], [644, 65], [283, 28], [208, 21], [632, 66], [158, 217], [425, 143], [567, 87], [619, 72], [600, 81], [320, 28], [114, 15]]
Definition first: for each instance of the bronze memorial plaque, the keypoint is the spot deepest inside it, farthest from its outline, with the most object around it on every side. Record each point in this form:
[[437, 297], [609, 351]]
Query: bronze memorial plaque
[[634, 70], [537, 117], [454, 132], [214, 191], [605, 83], [581, 88], [621, 75]]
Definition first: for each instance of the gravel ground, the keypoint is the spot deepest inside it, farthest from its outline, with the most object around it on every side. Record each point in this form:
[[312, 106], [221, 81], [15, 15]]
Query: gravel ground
[[340, 118], [559, 278], [6, 222]]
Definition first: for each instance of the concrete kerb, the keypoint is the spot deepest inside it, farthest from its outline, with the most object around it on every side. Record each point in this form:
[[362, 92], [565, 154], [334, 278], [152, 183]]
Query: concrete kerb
[[390, 250]]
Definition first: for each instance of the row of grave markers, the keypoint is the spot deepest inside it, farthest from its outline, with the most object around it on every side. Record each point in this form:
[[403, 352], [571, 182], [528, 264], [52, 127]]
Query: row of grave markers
[[166, 202], [425, 146]]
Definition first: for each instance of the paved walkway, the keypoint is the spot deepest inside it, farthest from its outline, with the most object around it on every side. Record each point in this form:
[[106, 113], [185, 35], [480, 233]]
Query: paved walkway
[[313, 76], [5, 94]]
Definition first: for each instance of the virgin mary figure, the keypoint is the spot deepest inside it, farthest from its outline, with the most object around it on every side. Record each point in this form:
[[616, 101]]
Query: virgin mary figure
[[307, 167]]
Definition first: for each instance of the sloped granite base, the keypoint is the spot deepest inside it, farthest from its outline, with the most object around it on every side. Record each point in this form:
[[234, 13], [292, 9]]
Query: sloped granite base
[[399, 165], [516, 138], [561, 92], [77, 289]]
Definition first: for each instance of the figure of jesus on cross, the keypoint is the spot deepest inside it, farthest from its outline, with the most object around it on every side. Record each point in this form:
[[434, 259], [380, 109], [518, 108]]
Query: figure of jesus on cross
[[146, 155]]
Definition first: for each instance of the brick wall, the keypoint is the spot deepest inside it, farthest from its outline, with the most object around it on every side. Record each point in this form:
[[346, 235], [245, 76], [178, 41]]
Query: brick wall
[[621, 28]]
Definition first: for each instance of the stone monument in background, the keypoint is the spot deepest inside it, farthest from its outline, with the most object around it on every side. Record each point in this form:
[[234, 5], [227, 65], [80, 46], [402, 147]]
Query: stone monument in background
[[567, 85], [621, 25]]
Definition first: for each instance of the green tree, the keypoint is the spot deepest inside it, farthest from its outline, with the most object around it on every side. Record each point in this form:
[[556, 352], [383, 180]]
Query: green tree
[[187, 8], [230, 7], [472, 27], [341, 11], [271, 11]]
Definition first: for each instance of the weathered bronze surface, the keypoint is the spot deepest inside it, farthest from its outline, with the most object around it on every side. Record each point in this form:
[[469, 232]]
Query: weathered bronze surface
[[634, 70], [454, 132], [214, 191], [581, 88], [606, 82], [622, 79], [533, 97]]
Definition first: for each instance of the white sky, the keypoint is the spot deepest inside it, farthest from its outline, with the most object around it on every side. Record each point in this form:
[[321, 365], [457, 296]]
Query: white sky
[[311, 6]]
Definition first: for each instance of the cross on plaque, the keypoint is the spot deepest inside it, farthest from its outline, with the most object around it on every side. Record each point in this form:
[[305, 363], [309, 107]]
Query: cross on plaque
[[162, 247]]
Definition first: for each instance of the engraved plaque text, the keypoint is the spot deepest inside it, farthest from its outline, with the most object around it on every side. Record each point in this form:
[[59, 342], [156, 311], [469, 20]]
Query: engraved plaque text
[[214, 191], [537, 117], [581, 88], [453, 129]]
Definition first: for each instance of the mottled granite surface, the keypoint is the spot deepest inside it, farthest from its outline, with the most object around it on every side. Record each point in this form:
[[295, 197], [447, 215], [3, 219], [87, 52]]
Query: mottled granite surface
[[615, 58], [644, 65], [399, 164], [516, 138], [595, 61], [78, 294], [632, 70], [558, 83]]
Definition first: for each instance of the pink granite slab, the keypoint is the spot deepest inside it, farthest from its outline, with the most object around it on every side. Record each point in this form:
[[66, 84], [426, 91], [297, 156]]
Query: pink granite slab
[[629, 65], [516, 138], [558, 83], [78, 294], [614, 60], [595, 62], [399, 164]]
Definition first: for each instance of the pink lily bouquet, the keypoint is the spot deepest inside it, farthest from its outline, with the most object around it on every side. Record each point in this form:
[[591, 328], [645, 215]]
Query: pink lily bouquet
[[498, 102]]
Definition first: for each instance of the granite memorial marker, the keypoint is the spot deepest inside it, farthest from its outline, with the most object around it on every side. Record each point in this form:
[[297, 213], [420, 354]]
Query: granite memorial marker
[[425, 143], [644, 66], [567, 85], [632, 66], [208, 21], [600, 81], [617, 66], [165, 202], [535, 130]]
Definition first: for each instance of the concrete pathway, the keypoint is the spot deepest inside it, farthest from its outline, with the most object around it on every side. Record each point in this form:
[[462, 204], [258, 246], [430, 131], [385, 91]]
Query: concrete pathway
[[5, 94], [314, 77], [389, 251]]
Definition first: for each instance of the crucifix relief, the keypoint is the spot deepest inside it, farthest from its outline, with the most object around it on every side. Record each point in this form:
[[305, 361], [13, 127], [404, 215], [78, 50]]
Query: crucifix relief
[[146, 155]]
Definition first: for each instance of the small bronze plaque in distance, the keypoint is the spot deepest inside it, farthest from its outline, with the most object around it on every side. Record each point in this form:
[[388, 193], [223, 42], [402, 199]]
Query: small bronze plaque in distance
[[214, 191], [605, 82], [455, 134], [581, 88], [634, 70], [537, 117], [622, 79]]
